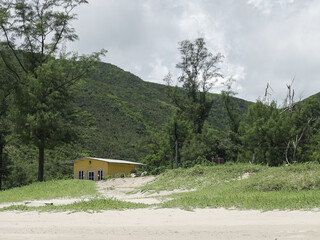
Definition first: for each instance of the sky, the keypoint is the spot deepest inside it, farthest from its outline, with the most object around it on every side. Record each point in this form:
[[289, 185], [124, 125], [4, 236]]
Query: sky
[[273, 42]]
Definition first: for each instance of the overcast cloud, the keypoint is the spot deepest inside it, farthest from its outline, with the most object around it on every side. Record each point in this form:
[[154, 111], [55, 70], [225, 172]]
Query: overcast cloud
[[263, 41]]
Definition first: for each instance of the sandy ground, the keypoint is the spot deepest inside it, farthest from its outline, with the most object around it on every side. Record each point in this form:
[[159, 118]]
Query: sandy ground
[[124, 189], [161, 224]]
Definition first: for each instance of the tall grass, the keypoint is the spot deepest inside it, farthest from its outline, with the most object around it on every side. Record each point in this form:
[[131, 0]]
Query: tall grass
[[49, 190]]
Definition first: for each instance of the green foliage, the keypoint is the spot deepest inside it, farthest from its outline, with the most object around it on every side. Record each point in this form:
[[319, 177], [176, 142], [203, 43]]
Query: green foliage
[[201, 148], [277, 135], [106, 177], [232, 140], [49, 190], [110, 127], [120, 175], [42, 72], [199, 71], [187, 143]]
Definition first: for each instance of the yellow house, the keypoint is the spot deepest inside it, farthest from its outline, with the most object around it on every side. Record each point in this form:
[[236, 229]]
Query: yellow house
[[95, 168]]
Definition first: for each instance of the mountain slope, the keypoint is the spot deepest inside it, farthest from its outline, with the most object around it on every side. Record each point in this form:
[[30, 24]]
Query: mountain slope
[[119, 110], [124, 108]]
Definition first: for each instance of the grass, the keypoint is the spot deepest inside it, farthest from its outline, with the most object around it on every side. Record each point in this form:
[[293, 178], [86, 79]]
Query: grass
[[93, 205], [200, 176], [285, 188], [267, 188], [49, 190]]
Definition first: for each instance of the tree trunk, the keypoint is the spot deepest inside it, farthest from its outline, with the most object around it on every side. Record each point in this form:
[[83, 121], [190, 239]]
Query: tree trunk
[[298, 140], [254, 158], [1, 163], [286, 152], [41, 164], [176, 153], [176, 147]]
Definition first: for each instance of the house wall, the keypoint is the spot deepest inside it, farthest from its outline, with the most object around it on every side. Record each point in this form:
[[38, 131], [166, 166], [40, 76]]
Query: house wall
[[107, 168], [85, 166], [115, 168]]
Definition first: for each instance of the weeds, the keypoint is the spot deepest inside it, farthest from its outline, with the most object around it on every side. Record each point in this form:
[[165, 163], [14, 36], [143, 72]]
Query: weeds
[[93, 205]]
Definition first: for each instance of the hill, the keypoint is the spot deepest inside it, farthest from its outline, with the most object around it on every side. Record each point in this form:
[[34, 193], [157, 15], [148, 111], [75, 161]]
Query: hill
[[118, 111], [124, 109]]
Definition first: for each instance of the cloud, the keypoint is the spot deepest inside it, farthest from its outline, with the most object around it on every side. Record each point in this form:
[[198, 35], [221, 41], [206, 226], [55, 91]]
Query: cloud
[[262, 41]]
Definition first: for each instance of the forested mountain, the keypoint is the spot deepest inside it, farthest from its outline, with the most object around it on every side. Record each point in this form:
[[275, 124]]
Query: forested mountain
[[124, 109], [118, 112]]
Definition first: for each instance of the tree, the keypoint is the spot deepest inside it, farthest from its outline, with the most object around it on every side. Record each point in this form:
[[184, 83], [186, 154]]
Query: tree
[[4, 94], [276, 135], [7, 84], [199, 73], [263, 134], [33, 34], [233, 116]]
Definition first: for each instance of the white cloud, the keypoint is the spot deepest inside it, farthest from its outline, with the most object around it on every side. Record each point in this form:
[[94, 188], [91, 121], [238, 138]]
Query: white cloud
[[262, 41]]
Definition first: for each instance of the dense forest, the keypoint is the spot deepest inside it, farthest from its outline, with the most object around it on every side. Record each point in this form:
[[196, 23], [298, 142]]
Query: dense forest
[[57, 106]]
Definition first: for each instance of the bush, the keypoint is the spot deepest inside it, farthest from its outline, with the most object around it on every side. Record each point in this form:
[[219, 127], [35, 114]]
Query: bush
[[120, 175], [107, 177]]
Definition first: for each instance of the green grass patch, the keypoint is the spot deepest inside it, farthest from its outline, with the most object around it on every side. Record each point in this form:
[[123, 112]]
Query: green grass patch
[[93, 205], [285, 188], [200, 176], [49, 190], [231, 197]]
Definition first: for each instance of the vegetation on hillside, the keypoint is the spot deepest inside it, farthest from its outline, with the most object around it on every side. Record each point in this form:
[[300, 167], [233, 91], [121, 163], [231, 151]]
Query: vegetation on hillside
[[38, 74], [74, 106]]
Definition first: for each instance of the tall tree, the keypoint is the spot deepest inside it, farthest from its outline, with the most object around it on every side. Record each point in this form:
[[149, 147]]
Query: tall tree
[[33, 33], [199, 73], [4, 94], [233, 117], [7, 86]]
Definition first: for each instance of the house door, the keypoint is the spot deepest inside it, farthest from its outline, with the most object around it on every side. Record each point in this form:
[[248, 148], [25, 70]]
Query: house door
[[100, 174], [90, 175]]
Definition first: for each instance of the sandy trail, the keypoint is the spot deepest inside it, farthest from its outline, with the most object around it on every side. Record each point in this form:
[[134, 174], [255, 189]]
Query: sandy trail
[[122, 188], [161, 224]]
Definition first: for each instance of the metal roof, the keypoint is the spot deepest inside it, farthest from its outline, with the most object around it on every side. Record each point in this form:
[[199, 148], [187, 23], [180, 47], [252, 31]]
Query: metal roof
[[109, 161]]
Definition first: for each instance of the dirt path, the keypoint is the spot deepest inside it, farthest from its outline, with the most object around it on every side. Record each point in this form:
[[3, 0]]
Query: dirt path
[[122, 188], [125, 189]]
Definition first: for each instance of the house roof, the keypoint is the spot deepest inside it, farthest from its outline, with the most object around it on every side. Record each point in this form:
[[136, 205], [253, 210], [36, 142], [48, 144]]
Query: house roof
[[109, 161]]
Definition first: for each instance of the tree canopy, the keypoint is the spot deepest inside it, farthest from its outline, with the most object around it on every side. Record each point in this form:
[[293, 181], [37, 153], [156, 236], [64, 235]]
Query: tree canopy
[[33, 34]]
